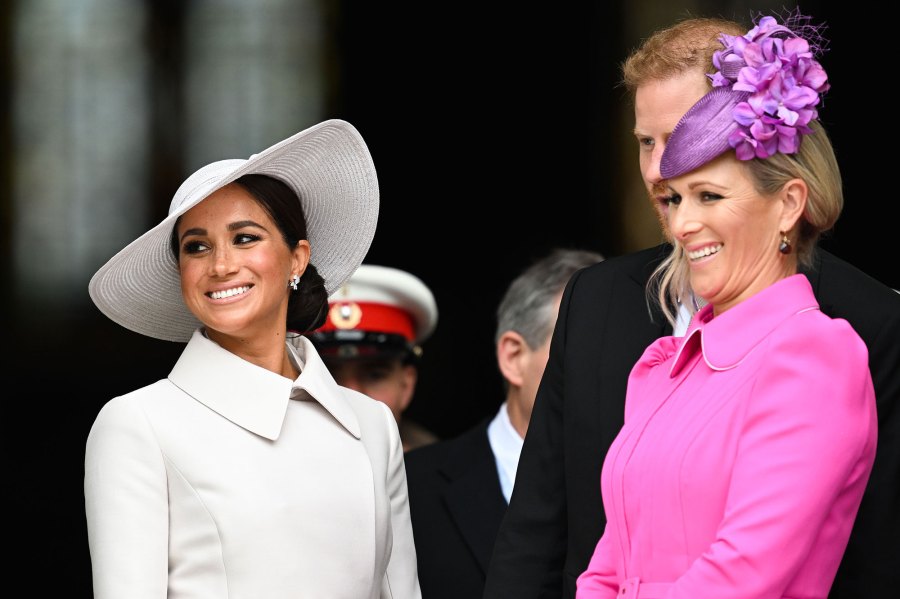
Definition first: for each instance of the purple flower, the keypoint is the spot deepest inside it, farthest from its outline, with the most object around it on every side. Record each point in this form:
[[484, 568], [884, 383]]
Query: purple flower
[[748, 147], [788, 140], [779, 70], [752, 79], [794, 102], [766, 27], [797, 48], [811, 74]]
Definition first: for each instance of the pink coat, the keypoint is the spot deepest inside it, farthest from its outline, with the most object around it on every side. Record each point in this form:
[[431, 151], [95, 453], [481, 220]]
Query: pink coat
[[746, 448]]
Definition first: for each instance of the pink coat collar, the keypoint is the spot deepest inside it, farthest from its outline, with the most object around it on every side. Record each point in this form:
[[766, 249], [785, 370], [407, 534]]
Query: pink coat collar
[[727, 339]]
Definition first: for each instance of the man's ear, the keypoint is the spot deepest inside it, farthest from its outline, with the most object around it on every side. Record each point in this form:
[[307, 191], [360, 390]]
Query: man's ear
[[410, 376], [510, 348]]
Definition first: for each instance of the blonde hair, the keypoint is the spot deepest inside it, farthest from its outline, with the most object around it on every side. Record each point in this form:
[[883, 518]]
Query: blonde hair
[[816, 165]]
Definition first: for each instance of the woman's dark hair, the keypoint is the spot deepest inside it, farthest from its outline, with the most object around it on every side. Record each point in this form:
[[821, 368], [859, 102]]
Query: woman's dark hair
[[308, 306]]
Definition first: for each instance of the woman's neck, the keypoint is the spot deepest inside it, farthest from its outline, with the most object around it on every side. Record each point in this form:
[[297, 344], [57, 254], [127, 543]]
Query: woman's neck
[[269, 352]]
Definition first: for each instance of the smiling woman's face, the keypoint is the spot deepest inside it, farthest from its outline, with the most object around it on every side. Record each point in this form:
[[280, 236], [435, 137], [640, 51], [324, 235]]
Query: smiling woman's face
[[729, 231], [235, 266]]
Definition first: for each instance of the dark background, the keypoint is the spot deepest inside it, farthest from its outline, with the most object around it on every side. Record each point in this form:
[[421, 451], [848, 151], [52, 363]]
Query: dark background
[[497, 135], [494, 135]]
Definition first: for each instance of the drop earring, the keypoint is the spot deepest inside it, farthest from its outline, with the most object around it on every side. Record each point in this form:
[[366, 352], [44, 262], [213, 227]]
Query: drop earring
[[785, 246], [293, 281]]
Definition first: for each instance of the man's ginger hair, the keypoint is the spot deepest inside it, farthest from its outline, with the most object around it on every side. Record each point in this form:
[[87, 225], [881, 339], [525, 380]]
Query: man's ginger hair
[[687, 45]]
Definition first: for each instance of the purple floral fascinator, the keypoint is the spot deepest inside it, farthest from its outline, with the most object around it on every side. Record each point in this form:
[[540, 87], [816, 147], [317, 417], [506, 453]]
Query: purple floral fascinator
[[764, 95]]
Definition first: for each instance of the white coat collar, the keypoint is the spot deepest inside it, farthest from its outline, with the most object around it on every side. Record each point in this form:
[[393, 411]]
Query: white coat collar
[[252, 397]]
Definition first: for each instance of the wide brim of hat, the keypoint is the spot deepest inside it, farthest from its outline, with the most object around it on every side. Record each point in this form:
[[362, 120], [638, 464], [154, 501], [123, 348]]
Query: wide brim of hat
[[702, 133], [329, 167]]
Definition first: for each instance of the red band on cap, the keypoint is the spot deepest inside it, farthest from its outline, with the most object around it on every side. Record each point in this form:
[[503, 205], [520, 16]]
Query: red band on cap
[[369, 317]]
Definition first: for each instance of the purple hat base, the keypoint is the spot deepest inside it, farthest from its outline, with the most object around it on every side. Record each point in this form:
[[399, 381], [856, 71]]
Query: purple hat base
[[702, 133]]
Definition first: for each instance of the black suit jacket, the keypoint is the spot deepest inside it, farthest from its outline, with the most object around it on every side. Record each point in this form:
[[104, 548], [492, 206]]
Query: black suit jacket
[[556, 514], [456, 506]]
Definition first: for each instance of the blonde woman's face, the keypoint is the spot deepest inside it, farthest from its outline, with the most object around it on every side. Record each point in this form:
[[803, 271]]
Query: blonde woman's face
[[730, 233]]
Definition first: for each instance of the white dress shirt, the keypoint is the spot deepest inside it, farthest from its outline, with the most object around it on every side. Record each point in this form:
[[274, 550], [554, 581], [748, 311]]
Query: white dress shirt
[[682, 322], [507, 446], [506, 442]]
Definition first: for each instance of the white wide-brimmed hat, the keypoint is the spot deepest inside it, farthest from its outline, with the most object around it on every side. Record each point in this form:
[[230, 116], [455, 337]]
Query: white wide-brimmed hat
[[327, 165]]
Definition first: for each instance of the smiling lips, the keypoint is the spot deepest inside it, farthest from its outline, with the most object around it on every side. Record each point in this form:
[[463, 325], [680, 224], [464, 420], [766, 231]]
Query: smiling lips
[[704, 252], [228, 292]]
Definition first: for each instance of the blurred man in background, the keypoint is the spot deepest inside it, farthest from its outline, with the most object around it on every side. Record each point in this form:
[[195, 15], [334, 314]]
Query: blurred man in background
[[372, 340], [459, 488]]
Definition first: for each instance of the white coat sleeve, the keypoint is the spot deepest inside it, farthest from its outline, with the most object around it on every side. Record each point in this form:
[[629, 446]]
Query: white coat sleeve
[[401, 581], [126, 504]]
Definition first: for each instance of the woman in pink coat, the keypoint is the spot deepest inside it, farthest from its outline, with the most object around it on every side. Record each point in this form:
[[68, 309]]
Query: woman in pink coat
[[748, 442]]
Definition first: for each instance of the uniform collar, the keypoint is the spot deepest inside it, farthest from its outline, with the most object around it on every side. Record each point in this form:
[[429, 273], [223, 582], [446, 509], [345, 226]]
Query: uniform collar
[[252, 397], [728, 338]]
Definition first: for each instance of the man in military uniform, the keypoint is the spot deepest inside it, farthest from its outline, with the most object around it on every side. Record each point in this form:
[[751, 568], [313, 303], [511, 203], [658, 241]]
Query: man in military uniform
[[372, 339]]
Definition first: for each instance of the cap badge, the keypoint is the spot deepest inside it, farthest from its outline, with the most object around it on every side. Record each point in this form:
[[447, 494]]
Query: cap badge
[[345, 315]]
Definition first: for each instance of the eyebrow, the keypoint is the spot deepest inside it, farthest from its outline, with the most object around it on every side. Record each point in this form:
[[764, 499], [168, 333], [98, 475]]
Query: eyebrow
[[708, 183], [231, 227], [695, 184], [244, 223]]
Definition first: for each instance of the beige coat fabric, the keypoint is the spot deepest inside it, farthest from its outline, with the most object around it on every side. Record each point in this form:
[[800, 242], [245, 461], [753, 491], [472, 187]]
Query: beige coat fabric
[[225, 480]]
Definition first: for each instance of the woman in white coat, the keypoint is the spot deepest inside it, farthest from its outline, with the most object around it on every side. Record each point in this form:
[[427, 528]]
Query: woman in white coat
[[248, 472]]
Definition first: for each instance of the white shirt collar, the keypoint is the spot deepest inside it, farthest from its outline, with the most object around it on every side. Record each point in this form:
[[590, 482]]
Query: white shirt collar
[[507, 446], [682, 321]]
